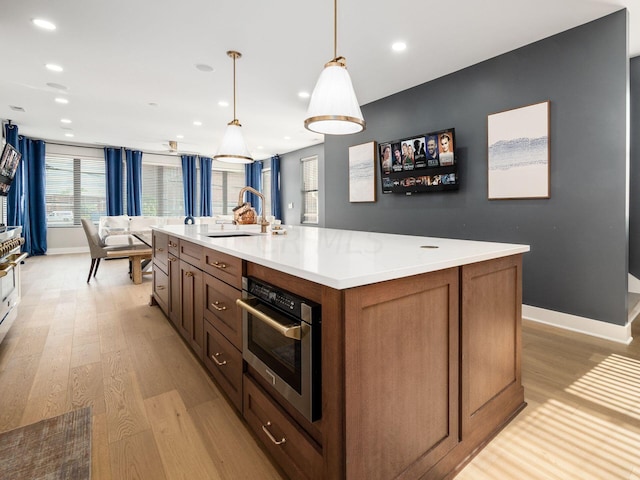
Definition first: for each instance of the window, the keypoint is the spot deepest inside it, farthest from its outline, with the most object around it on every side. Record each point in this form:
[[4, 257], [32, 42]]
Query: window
[[310, 189], [162, 192], [266, 191], [75, 189], [225, 187]]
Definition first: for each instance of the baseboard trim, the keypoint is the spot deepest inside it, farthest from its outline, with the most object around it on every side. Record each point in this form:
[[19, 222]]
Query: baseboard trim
[[634, 284], [588, 326], [62, 251]]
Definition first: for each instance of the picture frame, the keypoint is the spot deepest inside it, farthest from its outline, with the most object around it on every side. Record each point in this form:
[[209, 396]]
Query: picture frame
[[518, 162], [362, 172]]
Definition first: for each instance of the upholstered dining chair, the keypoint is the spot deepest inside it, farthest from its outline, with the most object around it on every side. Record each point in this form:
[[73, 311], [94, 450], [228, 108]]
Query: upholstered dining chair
[[98, 249]]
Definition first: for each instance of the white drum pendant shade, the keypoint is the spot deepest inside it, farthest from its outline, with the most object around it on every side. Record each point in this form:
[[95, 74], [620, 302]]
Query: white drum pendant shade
[[233, 149], [334, 108]]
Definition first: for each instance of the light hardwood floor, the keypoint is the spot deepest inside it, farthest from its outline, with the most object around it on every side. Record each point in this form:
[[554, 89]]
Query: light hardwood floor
[[157, 415]]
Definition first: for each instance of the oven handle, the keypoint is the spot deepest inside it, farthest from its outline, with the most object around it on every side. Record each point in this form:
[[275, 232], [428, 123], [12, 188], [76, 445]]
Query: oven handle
[[5, 271], [289, 332]]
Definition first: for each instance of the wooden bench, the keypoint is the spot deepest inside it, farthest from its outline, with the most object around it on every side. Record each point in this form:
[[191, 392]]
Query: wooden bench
[[136, 256]]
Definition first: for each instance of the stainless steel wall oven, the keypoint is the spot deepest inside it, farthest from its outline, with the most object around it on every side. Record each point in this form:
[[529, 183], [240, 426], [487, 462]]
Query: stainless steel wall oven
[[281, 341]]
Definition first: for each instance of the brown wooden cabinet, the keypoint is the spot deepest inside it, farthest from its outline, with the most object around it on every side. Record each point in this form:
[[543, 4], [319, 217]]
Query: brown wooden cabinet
[[223, 322], [227, 268], [191, 319], [224, 361], [175, 307], [401, 375], [160, 249], [221, 311], [292, 448], [418, 373], [161, 288]]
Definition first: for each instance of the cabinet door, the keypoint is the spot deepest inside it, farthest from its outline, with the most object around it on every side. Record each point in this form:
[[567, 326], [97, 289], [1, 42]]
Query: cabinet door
[[401, 375], [175, 310], [492, 390], [191, 321]]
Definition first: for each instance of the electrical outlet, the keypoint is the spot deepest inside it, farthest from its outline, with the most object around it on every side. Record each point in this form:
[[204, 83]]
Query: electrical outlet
[[290, 205]]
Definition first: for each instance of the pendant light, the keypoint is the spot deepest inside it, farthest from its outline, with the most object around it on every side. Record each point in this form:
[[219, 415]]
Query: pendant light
[[333, 108], [233, 149]]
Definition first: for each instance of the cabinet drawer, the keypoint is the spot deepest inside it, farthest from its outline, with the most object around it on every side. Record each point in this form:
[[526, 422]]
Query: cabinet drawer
[[224, 362], [293, 450], [191, 253], [225, 267], [173, 245], [161, 288], [221, 311], [160, 241]]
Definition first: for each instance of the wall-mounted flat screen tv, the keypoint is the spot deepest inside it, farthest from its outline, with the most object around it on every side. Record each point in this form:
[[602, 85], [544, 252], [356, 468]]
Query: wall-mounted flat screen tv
[[8, 165], [421, 163]]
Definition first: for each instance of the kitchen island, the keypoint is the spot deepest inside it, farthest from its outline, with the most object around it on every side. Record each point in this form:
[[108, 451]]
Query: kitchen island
[[420, 342]]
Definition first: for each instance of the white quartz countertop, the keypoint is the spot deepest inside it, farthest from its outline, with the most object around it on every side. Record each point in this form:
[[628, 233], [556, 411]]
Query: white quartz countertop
[[343, 258]]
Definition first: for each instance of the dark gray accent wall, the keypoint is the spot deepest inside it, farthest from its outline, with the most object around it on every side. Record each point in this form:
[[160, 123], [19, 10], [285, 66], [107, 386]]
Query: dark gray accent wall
[[634, 195], [579, 240]]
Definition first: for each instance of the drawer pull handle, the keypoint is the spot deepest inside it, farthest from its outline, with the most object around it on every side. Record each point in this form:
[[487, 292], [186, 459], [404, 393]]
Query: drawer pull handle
[[220, 364], [160, 249], [220, 309], [218, 265], [189, 274], [160, 287], [271, 437], [172, 259], [171, 244]]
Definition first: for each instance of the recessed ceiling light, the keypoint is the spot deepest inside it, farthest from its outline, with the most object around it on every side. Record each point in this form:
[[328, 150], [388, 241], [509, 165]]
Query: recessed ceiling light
[[53, 67], [204, 67], [197, 123], [303, 94], [65, 120], [152, 104], [399, 46], [44, 24], [57, 86], [62, 100], [179, 137], [68, 135], [287, 138], [223, 103], [16, 108]]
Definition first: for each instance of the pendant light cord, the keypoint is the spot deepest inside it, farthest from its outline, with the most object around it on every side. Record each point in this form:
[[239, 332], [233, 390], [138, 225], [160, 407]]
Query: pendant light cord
[[335, 29], [234, 88]]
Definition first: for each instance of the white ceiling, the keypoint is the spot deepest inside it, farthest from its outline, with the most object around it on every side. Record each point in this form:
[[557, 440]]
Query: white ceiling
[[121, 56]]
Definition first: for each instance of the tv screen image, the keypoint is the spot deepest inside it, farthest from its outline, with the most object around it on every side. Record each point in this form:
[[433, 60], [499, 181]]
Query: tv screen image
[[421, 163], [8, 166]]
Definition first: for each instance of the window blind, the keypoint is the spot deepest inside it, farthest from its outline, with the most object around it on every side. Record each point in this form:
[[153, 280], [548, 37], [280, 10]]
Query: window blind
[[162, 190], [266, 191], [75, 189], [309, 168], [225, 187]]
